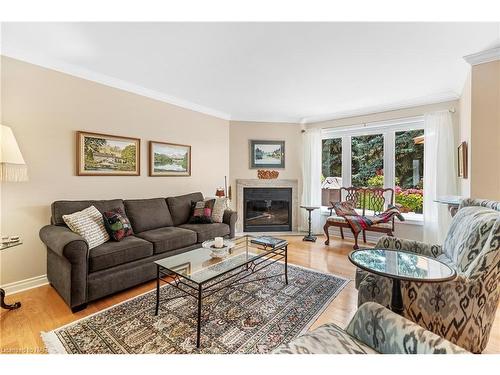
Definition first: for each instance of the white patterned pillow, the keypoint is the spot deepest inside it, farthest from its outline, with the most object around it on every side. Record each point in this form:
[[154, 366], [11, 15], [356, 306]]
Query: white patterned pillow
[[218, 210], [89, 224]]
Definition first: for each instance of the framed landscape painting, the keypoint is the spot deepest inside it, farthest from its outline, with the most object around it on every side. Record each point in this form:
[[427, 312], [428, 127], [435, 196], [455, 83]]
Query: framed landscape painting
[[267, 154], [169, 159], [107, 155]]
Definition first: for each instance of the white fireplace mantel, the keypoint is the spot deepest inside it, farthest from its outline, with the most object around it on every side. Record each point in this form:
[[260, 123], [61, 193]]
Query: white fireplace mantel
[[271, 183]]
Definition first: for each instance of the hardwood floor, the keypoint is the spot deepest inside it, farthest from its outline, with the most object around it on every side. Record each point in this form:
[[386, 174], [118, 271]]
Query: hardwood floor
[[43, 310]]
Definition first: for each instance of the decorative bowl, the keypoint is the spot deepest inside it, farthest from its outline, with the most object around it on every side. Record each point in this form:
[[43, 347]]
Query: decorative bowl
[[218, 252]]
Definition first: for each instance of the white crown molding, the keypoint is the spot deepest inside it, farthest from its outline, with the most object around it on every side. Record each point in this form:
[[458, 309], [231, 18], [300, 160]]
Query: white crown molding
[[274, 120], [483, 57], [22, 285], [428, 100], [106, 80]]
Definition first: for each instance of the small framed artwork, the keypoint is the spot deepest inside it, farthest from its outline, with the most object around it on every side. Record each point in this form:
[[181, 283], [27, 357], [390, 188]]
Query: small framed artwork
[[169, 159], [267, 154], [462, 160], [107, 155]]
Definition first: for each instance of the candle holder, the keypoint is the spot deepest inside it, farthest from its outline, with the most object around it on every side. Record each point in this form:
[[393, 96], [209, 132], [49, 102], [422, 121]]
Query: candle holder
[[218, 252]]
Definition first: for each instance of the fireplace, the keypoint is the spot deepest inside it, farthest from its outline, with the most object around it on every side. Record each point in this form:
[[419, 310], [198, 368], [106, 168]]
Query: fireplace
[[267, 209]]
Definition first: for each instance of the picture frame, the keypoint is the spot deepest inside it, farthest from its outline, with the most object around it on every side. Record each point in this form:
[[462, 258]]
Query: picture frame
[[100, 154], [267, 154], [169, 159], [462, 160]]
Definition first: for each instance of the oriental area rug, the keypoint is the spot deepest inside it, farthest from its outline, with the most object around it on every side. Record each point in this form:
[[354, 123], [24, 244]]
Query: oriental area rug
[[255, 317]]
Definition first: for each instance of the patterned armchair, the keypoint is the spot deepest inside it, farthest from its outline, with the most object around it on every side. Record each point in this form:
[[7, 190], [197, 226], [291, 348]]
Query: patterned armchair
[[373, 330], [462, 311]]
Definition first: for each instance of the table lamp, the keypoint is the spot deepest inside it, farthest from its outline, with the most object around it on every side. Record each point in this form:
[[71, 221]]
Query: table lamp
[[12, 165]]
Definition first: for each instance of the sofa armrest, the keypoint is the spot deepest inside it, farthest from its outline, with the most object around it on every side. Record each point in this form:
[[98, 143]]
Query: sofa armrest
[[394, 243], [230, 218], [65, 243], [390, 333]]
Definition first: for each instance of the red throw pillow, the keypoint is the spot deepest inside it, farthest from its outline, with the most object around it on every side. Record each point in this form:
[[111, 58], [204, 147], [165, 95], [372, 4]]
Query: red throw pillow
[[117, 224], [201, 212]]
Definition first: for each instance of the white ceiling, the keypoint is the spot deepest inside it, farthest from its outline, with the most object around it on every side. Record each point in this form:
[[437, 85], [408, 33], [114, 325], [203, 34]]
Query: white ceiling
[[288, 72]]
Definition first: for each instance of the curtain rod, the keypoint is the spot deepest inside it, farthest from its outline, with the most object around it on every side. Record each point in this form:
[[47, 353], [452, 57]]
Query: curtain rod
[[451, 110]]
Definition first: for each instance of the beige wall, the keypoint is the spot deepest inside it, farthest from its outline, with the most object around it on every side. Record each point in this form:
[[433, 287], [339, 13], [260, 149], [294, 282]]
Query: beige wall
[[45, 108], [241, 132], [464, 132], [485, 131]]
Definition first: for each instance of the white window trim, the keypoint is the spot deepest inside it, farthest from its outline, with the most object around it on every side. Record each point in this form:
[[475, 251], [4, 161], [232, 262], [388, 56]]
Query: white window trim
[[388, 129]]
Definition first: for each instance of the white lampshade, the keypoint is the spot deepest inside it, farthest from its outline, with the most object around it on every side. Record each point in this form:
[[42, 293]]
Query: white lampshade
[[12, 165]]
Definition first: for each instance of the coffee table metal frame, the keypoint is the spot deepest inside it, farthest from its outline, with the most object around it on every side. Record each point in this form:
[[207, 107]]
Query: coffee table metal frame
[[227, 279], [396, 296]]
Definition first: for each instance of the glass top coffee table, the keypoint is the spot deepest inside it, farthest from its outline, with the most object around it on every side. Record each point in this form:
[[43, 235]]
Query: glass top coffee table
[[401, 265], [198, 275]]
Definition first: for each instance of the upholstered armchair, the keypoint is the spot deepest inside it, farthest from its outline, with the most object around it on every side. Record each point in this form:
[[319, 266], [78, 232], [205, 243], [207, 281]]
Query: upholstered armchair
[[374, 329], [462, 310]]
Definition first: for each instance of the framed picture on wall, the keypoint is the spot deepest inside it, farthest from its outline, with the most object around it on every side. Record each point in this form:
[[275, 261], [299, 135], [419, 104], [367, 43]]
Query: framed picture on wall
[[267, 154], [462, 160], [107, 155], [169, 159]]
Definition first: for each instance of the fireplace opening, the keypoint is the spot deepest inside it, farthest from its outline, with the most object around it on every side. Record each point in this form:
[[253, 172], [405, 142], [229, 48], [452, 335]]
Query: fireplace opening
[[267, 209]]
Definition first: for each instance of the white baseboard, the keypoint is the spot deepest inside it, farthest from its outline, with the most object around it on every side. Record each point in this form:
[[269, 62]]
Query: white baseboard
[[22, 285]]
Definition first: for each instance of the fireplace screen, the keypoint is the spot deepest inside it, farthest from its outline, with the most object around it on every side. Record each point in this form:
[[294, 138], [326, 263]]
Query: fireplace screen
[[267, 209]]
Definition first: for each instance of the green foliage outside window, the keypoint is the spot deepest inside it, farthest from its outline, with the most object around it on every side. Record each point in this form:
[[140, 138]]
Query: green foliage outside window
[[367, 154]]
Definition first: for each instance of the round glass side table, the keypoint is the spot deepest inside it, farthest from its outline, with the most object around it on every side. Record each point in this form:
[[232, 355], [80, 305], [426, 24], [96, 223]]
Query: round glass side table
[[16, 305], [401, 265]]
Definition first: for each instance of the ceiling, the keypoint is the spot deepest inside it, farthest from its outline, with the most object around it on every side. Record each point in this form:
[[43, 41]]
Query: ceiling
[[284, 72]]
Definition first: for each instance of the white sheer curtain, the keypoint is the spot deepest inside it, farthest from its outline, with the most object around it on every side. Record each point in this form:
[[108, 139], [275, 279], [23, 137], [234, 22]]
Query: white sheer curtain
[[311, 177], [439, 174]]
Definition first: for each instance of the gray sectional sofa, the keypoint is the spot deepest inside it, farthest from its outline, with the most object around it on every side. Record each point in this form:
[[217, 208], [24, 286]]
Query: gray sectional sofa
[[160, 229]]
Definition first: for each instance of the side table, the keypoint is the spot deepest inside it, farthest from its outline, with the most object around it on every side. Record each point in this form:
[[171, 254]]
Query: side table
[[309, 236], [401, 265], [4, 305]]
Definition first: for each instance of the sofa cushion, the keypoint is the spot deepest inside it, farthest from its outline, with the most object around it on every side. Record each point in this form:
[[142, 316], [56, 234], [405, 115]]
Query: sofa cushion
[[180, 207], [208, 231], [469, 231], [89, 224], [201, 212], [327, 339], [60, 208], [169, 238], [113, 253], [117, 224], [147, 214]]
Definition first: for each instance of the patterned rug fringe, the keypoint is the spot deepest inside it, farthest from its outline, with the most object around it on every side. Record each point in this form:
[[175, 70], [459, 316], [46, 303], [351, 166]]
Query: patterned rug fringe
[[52, 343]]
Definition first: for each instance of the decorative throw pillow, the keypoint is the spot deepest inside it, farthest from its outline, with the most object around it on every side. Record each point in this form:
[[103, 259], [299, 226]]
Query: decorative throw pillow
[[344, 209], [89, 224], [201, 212], [220, 206], [117, 224]]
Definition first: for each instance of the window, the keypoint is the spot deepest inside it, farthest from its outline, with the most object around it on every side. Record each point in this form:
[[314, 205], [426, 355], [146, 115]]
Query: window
[[332, 157], [367, 160], [331, 170], [409, 162], [385, 154]]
